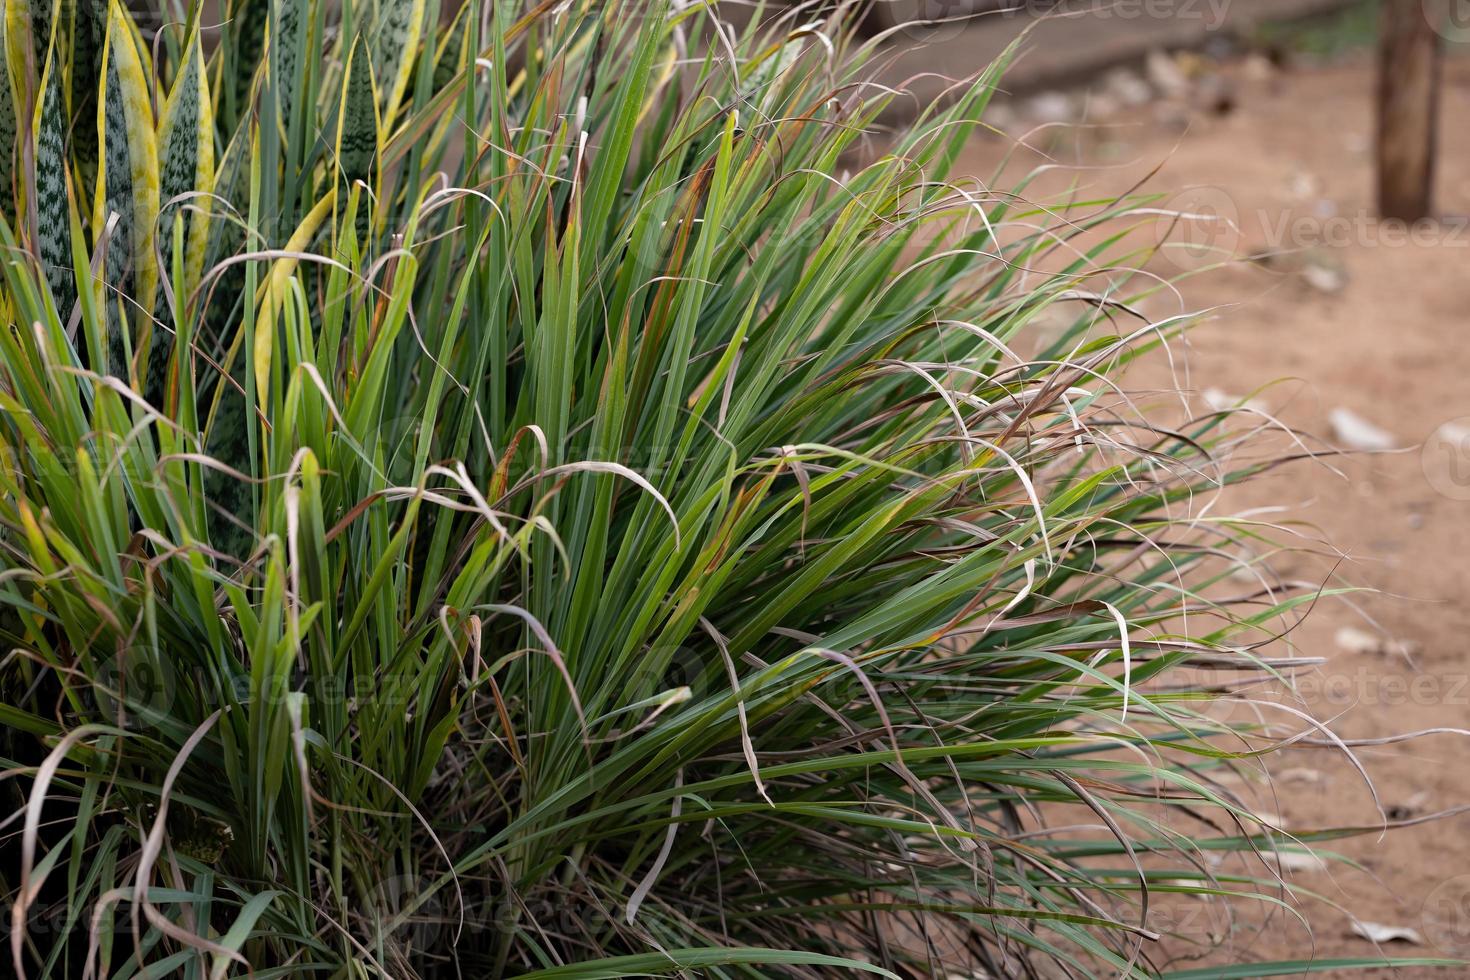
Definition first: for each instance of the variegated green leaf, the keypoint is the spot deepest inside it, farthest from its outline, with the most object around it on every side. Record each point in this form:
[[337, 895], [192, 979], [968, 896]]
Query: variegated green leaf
[[357, 134], [42, 15], [27, 36], [186, 157], [286, 26], [225, 233], [228, 434], [127, 178], [247, 26], [88, 31], [51, 207], [8, 130], [397, 28]]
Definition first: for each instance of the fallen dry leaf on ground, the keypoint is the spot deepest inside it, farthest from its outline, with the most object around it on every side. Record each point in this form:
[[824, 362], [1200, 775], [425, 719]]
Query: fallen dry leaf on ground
[[1355, 432], [1351, 640], [1377, 933]]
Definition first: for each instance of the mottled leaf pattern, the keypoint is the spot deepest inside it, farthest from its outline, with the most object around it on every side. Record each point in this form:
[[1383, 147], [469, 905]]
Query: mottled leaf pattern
[[127, 179], [88, 32], [357, 135], [186, 155], [27, 35], [52, 211], [104, 137], [248, 20], [286, 25], [225, 234], [396, 31], [105, 140], [42, 13], [8, 130], [228, 437]]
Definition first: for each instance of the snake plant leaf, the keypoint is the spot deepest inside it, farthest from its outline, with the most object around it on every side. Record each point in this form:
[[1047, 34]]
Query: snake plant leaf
[[51, 209], [397, 28], [247, 27], [42, 17], [226, 237], [13, 51], [186, 159], [226, 234], [88, 32], [8, 130], [127, 176], [285, 45], [228, 432], [274, 290], [26, 41], [357, 133]]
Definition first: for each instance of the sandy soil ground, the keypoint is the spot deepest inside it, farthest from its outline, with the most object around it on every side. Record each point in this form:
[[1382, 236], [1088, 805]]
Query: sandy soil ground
[[1375, 320]]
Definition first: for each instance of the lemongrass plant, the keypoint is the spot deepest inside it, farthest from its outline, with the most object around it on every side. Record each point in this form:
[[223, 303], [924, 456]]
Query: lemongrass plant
[[547, 490]]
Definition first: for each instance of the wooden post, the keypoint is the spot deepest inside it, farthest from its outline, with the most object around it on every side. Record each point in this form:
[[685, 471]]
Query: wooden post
[[1409, 55]]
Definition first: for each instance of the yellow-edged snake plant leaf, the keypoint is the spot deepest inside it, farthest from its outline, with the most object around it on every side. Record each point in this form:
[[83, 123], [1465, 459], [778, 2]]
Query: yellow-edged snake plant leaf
[[51, 207], [186, 159], [273, 292], [9, 130], [88, 31], [127, 178], [397, 28], [357, 135], [24, 51]]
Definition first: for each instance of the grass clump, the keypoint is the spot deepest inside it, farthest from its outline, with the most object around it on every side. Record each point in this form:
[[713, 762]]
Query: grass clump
[[540, 490]]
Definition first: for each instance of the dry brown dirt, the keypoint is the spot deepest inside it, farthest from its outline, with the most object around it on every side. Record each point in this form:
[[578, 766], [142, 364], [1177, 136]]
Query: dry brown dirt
[[1363, 317]]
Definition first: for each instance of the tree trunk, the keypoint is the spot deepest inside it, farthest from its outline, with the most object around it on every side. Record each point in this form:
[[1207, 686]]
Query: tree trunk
[[1408, 107]]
